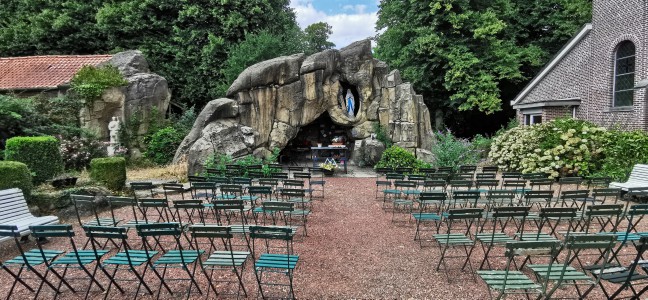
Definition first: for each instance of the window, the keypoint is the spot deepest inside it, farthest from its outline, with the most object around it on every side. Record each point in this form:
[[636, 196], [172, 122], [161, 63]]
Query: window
[[624, 71], [532, 119]]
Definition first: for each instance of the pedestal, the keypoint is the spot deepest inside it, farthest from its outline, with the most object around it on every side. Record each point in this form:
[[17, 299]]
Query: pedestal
[[111, 150]]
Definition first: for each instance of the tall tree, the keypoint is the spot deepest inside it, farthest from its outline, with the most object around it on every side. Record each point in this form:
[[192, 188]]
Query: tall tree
[[259, 47], [464, 54], [186, 41], [317, 35]]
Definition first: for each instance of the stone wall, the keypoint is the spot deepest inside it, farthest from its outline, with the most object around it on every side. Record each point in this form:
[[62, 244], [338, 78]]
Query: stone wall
[[144, 93], [272, 99]]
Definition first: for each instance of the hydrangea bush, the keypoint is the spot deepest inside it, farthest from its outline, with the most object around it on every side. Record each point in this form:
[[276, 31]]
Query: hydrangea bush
[[562, 147]]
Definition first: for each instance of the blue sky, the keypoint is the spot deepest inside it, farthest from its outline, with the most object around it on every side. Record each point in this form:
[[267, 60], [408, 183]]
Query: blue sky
[[351, 20]]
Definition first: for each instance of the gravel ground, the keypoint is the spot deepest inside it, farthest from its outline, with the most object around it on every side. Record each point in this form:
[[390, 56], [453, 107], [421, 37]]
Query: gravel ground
[[353, 250]]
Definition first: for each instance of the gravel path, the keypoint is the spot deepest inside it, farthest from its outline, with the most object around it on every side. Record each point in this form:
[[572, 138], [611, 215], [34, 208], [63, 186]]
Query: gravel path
[[353, 250]]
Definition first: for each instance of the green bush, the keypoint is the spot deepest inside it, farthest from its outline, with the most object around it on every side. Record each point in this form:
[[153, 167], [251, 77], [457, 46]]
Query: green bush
[[397, 157], [621, 151], [163, 144], [41, 154], [450, 151], [90, 81], [109, 171], [15, 174], [562, 147], [481, 145], [217, 161], [381, 134]]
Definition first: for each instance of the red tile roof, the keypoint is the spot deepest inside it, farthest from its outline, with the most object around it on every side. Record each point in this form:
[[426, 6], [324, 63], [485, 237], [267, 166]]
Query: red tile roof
[[43, 72]]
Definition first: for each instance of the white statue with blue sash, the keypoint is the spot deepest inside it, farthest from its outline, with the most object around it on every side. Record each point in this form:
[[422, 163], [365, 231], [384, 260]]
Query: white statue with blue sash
[[350, 104]]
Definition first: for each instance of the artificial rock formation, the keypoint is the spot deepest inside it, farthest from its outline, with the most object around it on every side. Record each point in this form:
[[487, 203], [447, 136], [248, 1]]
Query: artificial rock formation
[[272, 99], [144, 93]]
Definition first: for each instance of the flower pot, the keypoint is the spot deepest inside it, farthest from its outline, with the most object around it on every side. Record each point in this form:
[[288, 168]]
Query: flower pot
[[328, 172], [64, 182]]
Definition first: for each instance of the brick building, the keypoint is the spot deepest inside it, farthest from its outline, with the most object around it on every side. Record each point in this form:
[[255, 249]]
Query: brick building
[[600, 75]]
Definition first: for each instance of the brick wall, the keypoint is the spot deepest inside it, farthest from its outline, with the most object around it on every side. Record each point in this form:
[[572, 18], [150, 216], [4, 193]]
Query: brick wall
[[587, 71], [550, 113], [614, 22], [568, 79]]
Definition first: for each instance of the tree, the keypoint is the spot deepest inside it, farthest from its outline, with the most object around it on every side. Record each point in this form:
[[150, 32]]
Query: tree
[[259, 47], [185, 41], [463, 54], [317, 35]]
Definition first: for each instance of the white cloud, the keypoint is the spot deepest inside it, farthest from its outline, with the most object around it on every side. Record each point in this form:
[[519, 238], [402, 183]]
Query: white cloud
[[358, 8], [346, 27]]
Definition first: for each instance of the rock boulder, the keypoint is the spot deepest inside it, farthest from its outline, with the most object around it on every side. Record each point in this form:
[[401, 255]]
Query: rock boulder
[[277, 97]]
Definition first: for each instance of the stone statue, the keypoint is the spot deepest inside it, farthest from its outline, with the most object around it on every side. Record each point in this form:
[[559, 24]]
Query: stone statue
[[350, 103], [113, 127]]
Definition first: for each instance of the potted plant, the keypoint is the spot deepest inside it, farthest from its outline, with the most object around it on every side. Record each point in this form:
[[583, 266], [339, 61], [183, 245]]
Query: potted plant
[[64, 180], [328, 168]]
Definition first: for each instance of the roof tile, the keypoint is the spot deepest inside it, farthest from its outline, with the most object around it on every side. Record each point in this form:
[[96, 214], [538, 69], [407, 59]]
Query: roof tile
[[43, 72]]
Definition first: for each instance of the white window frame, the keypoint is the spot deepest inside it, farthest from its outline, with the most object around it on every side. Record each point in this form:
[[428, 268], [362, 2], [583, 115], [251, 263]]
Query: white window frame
[[531, 114]]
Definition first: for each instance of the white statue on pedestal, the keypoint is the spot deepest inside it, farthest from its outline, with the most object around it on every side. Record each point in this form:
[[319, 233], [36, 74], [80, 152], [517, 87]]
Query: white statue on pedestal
[[113, 128]]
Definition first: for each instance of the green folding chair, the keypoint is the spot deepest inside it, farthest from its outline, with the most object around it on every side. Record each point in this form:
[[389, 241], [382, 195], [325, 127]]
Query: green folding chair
[[404, 202], [223, 259], [178, 258], [512, 280], [626, 278], [282, 261], [28, 261], [574, 182], [317, 179], [465, 198], [497, 236], [490, 169], [541, 184], [424, 216], [559, 275], [431, 185], [538, 198], [73, 259], [126, 259], [188, 211], [297, 197], [470, 217]]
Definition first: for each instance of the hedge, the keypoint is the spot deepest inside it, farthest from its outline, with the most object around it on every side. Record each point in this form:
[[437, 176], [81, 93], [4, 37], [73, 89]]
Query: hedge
[[109, 171], [41, 154], [15, 174]]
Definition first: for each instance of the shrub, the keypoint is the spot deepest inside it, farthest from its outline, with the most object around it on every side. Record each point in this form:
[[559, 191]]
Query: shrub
[[218, 161], [163, 144], [562, 147], [41, 155], [450, 151], [481, 145], [15, 174], [397, 157], [90, 81], [77, 152], [621, 151], [381, 134], [109, 171], [19, 117]]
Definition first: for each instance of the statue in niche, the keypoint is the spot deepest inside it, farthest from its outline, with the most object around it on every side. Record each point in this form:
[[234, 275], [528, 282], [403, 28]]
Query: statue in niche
[[350, 104], [113, 128]]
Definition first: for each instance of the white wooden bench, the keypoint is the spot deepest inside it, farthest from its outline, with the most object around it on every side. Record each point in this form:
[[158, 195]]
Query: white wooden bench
[[638, 180], [14, 211]]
